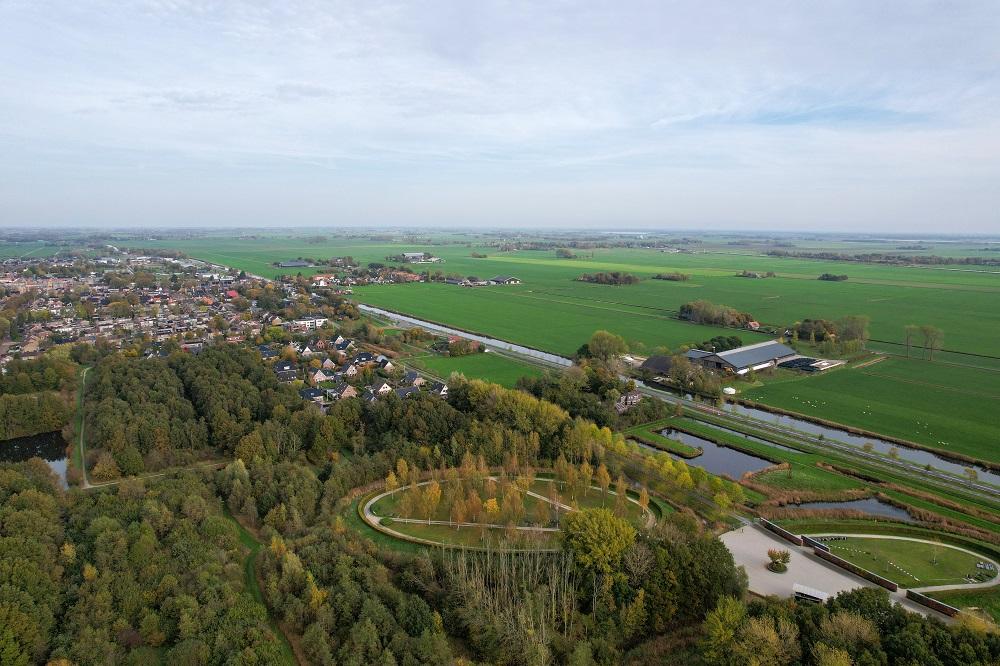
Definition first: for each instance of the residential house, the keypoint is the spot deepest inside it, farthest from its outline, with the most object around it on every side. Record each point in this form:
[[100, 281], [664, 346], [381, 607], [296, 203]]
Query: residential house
[[413, 378], [340, 391], [313, 394]]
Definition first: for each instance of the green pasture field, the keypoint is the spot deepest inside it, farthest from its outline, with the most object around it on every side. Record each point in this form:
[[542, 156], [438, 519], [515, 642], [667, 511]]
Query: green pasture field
[[492, 367], [893, 296], [947, 407], [909, 563], [27, 250]]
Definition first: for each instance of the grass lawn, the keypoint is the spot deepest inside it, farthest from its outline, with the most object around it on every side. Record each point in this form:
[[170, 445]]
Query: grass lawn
[[649, 433], [941, 406], [909, 563], [493, 367], [986, 600], [806, 477]]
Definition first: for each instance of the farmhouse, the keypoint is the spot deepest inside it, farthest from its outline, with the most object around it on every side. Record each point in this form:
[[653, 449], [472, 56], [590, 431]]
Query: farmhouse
[[505, 279], [744, 359]]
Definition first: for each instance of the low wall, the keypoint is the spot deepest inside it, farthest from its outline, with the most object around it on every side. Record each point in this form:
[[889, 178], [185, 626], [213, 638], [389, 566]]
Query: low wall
[[855, 569], [780, 531], [812, 543], [933, 604]]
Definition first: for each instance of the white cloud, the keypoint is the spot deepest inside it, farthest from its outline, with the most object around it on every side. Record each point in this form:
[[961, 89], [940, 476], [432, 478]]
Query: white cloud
[[562, 113]]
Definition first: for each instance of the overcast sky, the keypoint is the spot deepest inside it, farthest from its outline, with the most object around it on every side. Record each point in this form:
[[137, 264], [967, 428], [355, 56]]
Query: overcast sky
[[738, 115]]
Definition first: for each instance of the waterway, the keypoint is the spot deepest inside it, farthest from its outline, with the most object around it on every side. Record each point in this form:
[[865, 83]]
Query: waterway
[[870, 506], [916, 456], [49, 446], [717, 459]]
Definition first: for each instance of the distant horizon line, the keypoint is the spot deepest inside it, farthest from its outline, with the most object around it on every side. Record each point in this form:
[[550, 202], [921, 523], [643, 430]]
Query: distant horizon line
[[639, 231]]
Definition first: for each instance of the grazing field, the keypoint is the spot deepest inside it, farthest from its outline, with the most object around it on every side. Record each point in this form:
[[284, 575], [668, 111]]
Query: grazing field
[[28, 250], [946, 407], [909, 563], [894, 296], [492, 367]]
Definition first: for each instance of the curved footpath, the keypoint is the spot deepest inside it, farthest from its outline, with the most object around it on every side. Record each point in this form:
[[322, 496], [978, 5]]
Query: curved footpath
[[931, 588], [375, 521]]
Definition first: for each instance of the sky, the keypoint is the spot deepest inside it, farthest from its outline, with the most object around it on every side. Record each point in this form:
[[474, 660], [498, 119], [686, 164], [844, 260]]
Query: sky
[[798, 115]]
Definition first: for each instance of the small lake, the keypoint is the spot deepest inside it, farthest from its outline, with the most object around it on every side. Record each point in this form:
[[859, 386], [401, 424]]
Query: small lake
[[870, 506], [717, 459], [49, 446]]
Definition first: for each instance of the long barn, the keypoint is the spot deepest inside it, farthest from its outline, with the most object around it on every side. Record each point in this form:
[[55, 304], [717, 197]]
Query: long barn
[[744, 359]]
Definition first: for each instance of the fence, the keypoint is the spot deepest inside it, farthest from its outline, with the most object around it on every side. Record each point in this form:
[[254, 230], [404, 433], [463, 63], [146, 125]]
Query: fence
[[780, 531], [933, 604], [812, 543], [856, 570]]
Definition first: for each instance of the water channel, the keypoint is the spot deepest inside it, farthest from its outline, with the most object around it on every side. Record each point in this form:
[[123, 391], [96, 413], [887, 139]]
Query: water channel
[[916, 456], [870, 506]]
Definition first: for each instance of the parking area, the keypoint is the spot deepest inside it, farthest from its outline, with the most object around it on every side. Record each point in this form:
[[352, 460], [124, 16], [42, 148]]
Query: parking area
[[749, 546]]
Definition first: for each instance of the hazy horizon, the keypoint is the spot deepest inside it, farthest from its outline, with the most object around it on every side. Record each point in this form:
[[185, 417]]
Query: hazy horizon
[[843, 117]]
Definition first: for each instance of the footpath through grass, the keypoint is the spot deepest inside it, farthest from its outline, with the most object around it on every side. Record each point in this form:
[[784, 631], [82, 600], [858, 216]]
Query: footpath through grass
[[253, 585]]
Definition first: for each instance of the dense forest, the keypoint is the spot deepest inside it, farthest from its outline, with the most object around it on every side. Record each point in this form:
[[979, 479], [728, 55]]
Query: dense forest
[[33, 396], [156, 571], [144, 414], [138, 575]]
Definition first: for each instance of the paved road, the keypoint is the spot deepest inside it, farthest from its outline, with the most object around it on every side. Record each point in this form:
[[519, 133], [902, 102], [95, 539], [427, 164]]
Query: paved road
[[749, 546]]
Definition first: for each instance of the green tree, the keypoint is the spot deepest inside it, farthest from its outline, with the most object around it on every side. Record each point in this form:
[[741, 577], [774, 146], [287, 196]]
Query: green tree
[[720, 627], [606, 346]]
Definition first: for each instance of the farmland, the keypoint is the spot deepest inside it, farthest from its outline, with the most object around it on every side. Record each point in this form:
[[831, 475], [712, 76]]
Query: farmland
[[941, 406], [893, 296], [492, 367]]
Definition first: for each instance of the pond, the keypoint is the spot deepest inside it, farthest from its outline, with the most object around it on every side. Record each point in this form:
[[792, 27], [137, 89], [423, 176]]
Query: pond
[[718, 459], [49, 446], [870, 506]]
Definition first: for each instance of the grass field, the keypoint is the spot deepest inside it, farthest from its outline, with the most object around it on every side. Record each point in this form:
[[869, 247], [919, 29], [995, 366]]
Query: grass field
[[496, 368], [893, 296], [942, 406], [986, 601], [909, 563]]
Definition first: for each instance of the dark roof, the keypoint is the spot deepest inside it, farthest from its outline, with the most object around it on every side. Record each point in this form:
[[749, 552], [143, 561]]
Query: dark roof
[[657, 364], [311, 393], [407, 391], [762, 352]]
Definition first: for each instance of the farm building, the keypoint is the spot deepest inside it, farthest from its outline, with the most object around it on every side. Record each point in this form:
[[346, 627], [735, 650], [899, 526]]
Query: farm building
[[505, 279], [744, 359]]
